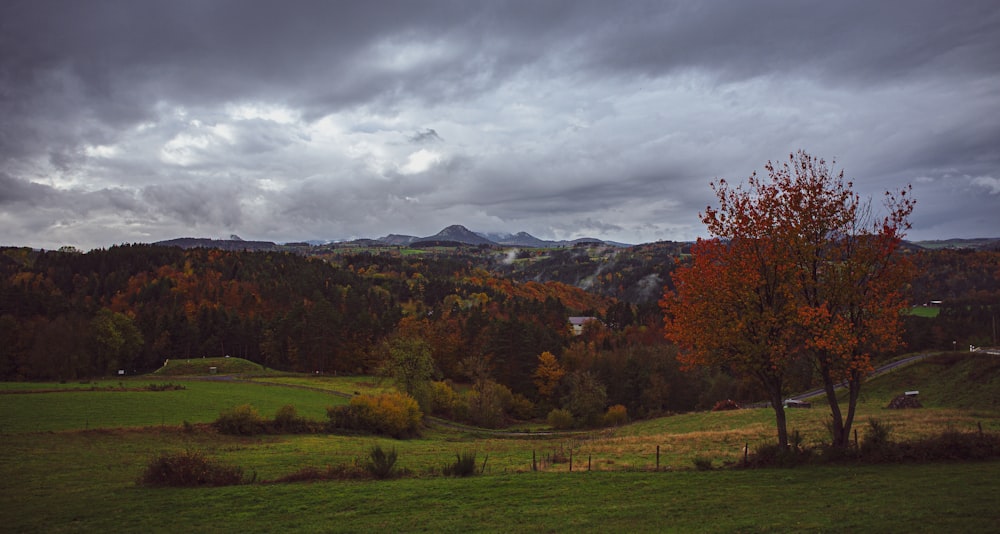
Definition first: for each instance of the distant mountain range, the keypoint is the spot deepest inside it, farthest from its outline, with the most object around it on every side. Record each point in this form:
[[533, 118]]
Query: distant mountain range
[[458, 235]]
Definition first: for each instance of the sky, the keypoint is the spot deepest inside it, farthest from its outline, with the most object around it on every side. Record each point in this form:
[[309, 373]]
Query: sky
[[138, 121]]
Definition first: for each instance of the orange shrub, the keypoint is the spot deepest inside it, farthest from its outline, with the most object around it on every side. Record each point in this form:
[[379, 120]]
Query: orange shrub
[[616, 415], [393, 414]]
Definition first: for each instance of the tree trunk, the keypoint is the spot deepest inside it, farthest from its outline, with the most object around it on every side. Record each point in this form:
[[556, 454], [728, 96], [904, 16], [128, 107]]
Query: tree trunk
[[855, 394], [779, 418], [839, 434]]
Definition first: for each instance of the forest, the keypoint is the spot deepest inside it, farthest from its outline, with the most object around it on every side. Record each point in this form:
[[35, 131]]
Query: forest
[[484, 323]]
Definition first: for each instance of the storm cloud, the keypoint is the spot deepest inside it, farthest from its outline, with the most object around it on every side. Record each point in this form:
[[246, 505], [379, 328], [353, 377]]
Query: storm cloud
[[128, 121]]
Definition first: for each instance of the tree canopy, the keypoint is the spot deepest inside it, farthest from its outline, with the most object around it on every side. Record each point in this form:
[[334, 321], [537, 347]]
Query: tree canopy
[[799, 266]]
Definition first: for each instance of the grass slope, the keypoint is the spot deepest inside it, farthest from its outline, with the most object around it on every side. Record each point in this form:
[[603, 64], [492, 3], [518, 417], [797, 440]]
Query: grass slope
[[84, 480], [964, 380], [203, 366]]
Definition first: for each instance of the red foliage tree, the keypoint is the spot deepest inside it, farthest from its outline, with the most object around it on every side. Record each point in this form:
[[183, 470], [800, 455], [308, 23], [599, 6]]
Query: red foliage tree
[[799, 267]]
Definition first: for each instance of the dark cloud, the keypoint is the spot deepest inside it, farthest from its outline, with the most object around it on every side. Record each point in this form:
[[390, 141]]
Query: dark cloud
[[426, 136], [19, 192], [291, 120]]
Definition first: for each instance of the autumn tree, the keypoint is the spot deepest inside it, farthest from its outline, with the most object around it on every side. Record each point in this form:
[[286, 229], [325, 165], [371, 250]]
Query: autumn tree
[[547, 375], [850, 275], [798, 267], [408, 361], [115, 341], [732, 309], [585, 397]]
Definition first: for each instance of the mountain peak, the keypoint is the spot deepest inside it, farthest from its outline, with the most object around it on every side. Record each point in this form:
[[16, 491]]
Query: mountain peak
[[459, 234]]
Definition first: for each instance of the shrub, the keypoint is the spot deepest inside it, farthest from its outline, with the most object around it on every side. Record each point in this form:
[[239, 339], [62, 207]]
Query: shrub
[[443, 399], [486, 404], [391, 414], [771, 455], [520, 407], [287, 420], [949, 445], [724, 405], [164, 387], [560, 419], [876, 446], [702, 463], [616, 415], [380, 463], [189, 469], [242, 420], [464, 466]]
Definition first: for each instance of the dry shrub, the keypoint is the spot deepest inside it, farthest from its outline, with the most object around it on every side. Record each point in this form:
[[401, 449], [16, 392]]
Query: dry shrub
[[724, 405], [464, 466], [393, 414], [560, 419], [616, 415], [444, 399], [243, 420], [189, 469]]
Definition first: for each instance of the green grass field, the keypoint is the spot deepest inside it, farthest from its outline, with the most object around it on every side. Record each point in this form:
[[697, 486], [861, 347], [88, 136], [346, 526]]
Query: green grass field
[[200, 402], [925, 311], [70, 460]]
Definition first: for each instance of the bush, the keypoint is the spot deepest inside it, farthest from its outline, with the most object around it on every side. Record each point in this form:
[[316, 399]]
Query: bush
[[486, 404], [876, 446], [380, 463], [464, 466], [560, 419], [616, 415], [724, 405], [702, 463], [164, 387], [771, 455], [189, 469], [444, 399], [242, 420], [520, 407], [391, 414], [287, 420]]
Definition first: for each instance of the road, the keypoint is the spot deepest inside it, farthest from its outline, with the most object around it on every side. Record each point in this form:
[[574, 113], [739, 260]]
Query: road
[[883, 369]]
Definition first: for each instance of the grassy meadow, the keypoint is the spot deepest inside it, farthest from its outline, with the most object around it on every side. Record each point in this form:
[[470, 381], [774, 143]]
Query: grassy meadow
[[72, 453]]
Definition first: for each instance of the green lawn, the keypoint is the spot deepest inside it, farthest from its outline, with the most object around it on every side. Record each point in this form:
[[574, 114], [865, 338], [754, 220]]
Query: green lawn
[[84, 482], [68, 465], [925, 311], [200, 402]]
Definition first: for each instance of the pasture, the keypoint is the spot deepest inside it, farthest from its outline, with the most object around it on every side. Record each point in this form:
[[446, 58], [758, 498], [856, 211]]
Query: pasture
[[72, 455]]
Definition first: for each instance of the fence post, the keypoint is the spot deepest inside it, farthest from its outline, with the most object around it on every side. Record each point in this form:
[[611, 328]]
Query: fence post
[[534, 464], [746, 452], [657, 457], [588, 456], [571, 461]]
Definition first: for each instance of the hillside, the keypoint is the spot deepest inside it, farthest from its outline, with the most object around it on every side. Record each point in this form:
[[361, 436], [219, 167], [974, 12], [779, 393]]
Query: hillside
[[961, 380], [209, 366]]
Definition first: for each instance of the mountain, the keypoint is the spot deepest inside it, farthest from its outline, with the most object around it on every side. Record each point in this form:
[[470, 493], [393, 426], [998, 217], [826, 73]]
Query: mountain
[[456, 233], [520, 239], [221, 244], [985, 243], [398, 240]]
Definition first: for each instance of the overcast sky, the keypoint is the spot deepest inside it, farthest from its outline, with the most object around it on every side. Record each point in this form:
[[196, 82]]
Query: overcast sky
[[136, 121]]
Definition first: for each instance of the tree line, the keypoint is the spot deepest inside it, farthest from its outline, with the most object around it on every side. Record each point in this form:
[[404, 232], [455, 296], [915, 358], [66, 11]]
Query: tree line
[[66, 315]]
